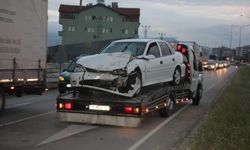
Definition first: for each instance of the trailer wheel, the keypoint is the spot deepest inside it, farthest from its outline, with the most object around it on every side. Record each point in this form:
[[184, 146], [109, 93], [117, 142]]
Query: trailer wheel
[[177, 76], [167, 111], [198, 95], [19, 91], [2, 101]]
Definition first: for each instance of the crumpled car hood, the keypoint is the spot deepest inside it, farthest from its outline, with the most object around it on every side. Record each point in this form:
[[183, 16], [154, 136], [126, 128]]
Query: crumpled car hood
[[105, 61]]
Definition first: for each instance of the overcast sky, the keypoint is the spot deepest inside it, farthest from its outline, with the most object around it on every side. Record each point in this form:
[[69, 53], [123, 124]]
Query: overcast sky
[[208, 22]]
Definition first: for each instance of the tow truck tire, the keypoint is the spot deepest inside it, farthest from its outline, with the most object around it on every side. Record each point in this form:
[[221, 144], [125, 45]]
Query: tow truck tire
[[19, 91], [177, 76], [62, 91], [167, 111], [198, 95], [2, 101]]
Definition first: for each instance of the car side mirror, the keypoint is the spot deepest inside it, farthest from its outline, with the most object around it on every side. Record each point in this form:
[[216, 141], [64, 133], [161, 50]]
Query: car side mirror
[[148, 57]]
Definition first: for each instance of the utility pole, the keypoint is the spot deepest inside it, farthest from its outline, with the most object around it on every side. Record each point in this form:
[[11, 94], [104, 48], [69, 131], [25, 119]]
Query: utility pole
[[146, 28], [162, 35]]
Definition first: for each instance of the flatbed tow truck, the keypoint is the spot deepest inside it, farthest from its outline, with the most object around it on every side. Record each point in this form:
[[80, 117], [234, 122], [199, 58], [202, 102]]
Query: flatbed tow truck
[[95, 107]]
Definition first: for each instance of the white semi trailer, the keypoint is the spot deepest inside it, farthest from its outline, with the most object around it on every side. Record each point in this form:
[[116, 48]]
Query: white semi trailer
[[23, 47]]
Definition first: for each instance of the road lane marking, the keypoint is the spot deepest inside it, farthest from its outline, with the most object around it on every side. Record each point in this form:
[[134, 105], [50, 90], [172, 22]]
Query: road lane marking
[[67, 132], [147, 136], [17, 105], [25, 119]]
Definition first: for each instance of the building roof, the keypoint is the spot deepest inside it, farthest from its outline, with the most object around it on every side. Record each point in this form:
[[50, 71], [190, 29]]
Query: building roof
[[76, 9]]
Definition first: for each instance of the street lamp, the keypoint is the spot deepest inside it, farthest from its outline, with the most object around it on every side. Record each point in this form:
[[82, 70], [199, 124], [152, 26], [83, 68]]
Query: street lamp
[[162, 35], [146, 28], [240, 29]]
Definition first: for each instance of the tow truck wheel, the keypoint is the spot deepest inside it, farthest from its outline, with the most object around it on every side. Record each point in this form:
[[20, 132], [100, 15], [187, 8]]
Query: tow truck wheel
[[62, 91], [19, 91], [198, 95], [2, 100], [177, 76], [167, 111]]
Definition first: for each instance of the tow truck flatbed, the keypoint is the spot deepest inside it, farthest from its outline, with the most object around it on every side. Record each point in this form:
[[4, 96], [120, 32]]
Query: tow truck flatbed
[[95, 107]]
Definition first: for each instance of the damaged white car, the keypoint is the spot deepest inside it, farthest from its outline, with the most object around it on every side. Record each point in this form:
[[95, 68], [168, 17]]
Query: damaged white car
[[125, 66]]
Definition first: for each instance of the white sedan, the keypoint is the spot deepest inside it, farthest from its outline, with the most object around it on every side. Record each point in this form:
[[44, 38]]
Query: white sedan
[[125, 66]]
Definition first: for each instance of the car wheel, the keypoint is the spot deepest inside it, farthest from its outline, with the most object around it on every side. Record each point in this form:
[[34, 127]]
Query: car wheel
[[198, 95], [167, 111], [137, 85], [177, 76], [2, 100]]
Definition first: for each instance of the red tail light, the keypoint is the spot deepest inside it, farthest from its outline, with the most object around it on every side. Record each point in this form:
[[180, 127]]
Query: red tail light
[[128, 109], [188, 71], [182, 48], [68, 105]]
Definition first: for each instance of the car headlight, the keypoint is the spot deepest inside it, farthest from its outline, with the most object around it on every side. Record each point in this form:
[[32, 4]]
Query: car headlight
[[79, 68], [121, 72], [61, 78], [212, 66]]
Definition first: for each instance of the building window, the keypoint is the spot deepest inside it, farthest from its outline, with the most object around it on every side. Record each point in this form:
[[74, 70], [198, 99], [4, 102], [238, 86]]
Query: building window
[[125, 31], [89, 29], [93, 30], [110, 30], [69, 28], [103, 30], [111, 19], [73, 29], [85, 29]]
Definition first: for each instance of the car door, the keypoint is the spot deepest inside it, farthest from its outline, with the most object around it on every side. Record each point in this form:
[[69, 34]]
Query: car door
[[153, 66], [168, 62]]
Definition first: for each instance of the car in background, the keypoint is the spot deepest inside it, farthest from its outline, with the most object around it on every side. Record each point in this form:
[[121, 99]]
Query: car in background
[[211, 65], [221, 64], [125, 66], [64, 78]]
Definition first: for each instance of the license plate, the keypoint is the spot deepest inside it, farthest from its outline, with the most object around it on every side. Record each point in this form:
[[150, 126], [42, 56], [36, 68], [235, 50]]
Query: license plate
[[99, 107]]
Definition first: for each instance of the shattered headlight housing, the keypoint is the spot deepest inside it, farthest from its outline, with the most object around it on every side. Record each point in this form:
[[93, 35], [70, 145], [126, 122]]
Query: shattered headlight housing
[[121, 72], [79, 68]]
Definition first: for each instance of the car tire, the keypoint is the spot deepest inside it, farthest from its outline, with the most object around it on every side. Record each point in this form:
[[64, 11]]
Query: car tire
[[198, 95], [167, 111], [177, 76], [2, 101], [139, 82]]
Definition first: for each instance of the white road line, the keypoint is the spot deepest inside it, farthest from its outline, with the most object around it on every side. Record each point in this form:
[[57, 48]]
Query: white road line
[[17, 105], [147, 136], [67, 132], [25, 119]]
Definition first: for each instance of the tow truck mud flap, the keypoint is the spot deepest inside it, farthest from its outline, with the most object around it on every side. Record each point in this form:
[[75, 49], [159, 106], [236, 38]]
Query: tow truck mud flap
[[99, 119]]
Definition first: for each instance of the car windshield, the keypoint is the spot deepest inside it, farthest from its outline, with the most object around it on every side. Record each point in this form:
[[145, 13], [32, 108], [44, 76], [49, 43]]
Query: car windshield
[[135, 48], [71, 66]]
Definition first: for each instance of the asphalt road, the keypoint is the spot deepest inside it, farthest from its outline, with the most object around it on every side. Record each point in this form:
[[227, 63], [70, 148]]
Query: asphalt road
[[29, 123]]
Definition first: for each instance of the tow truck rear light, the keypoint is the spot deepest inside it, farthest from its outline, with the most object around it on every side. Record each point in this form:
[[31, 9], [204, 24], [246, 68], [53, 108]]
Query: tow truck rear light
[[128, 109], [68, 105], [188, 71], [182, 48]]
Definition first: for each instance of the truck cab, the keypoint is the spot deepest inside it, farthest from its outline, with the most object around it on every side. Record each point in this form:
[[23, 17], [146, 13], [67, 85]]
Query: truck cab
[[194, 76]]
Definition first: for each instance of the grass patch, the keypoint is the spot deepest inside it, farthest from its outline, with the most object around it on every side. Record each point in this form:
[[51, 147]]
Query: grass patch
[[228, 123]]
